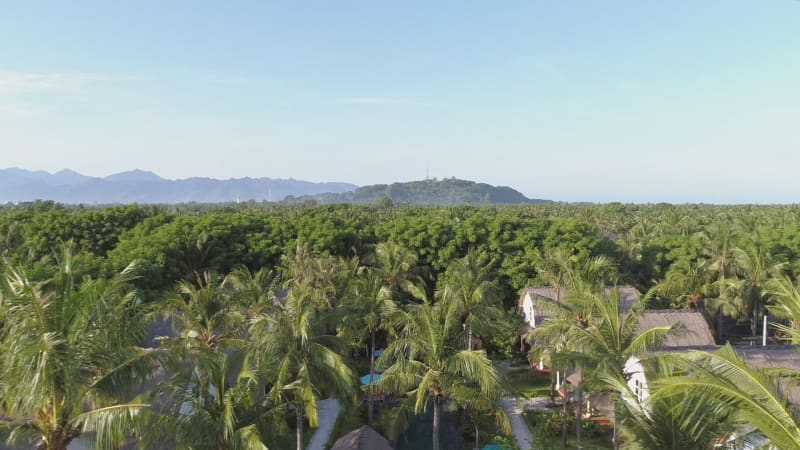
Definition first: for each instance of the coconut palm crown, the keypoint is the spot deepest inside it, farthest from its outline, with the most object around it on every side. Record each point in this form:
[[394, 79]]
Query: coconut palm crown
[[70, 357], [428, 364]]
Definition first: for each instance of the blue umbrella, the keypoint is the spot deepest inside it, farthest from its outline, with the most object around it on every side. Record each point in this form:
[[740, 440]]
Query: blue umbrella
[[365, 379]]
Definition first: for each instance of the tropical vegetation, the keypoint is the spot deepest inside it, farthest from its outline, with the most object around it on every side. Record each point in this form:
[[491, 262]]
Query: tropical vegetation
[[225, 326]]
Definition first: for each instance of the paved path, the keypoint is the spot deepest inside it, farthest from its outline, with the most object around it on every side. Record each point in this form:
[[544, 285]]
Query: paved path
[[521, 431], [328, 412], [537, 403]]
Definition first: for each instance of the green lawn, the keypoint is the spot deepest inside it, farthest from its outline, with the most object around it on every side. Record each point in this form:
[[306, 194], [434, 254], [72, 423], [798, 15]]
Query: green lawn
[[546, 429], [528, 383]]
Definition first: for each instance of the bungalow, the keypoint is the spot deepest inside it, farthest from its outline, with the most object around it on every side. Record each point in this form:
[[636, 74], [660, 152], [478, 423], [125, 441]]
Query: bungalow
[[531, 307], [746, 436], [692, 331]]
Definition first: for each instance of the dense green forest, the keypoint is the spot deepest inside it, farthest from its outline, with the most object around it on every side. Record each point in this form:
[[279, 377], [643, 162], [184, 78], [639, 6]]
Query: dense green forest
[[268, 300], [445, 192], [650, 244]]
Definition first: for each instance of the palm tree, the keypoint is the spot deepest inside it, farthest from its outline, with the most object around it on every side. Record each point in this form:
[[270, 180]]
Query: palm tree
[[787, 306], [254, 291], [320, 274], [754, 394], [303, 363], [204, 314], [580, 275], [70, 357], [610, 339], [754, 267], [685, 421], [688, 283], [426, 362], [214, 400], [555, 269], [718, 241], [396, 265], [563, 270], [469, 294], [368, 310]]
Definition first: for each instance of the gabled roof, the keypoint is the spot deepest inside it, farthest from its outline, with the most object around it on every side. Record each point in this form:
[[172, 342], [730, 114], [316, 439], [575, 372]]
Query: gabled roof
[[364, 438], [695, 330], [628, 295], [541, 291]]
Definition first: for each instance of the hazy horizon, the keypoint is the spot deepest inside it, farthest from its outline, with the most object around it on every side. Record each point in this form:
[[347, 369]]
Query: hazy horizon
[[632, 102]]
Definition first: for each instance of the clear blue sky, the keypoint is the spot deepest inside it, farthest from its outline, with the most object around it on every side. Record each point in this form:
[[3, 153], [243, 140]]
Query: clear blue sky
[[598, 101]]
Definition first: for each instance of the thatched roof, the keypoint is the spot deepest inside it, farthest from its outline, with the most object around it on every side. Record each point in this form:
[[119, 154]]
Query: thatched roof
[[771, 356], [775, 356], [694, 328], [364, 438], [628, 295]]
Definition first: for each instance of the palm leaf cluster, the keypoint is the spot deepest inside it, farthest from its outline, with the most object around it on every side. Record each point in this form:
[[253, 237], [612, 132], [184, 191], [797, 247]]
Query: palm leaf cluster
[[426, 362], [697, 400], [61, 364], [249, 357], [750, 395], [241, 359]]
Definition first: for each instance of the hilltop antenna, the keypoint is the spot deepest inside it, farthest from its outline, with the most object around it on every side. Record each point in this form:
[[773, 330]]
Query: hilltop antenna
[[238, 200], [269, 195], [427, 174]]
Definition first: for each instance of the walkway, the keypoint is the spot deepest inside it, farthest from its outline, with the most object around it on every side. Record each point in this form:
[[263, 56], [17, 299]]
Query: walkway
[[328, 412], [518, 425]]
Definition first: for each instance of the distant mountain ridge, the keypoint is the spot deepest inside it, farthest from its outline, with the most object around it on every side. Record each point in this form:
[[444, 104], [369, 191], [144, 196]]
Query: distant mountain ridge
[[449, 191], [139, 186]]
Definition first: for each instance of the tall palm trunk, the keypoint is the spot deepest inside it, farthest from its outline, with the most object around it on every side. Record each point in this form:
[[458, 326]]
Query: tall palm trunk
[[754, 319], [299, 431], [467, 409], [435, 423], [55, 441], [615, 441], [723, 275], [565, 404], [371, 387], [579, 410]]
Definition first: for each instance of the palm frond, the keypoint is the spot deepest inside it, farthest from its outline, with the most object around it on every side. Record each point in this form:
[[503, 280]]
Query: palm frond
[[110, 427], [754, 393]]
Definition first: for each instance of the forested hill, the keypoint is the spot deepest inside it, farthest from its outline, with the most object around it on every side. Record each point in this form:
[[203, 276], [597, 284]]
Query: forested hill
[[449, 191]]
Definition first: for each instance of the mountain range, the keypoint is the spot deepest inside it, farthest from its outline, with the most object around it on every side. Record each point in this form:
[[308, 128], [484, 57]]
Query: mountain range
[[139, 186]]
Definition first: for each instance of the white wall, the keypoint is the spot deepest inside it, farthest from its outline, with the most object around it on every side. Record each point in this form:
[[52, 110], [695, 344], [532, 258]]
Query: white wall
[[637, 381], [528, 311]]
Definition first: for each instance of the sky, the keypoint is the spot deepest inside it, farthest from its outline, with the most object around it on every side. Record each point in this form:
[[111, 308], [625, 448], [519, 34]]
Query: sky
[[631, 101]]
